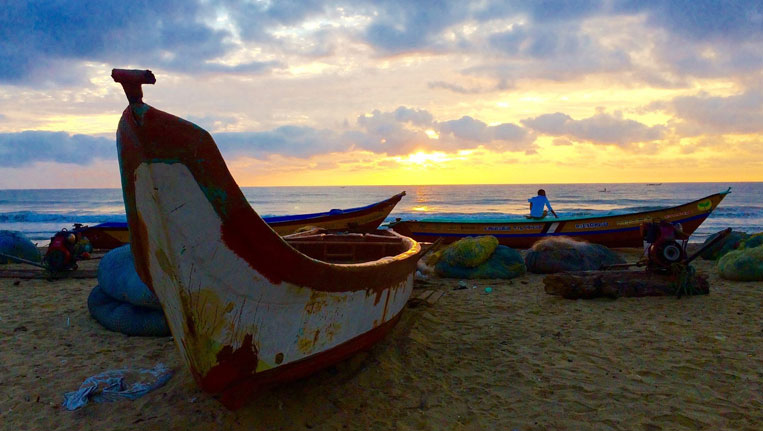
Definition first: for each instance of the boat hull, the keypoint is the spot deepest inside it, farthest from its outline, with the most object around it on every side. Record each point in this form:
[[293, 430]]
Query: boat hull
[[245, 308], [107, 235], [364, 219], [611, 231]]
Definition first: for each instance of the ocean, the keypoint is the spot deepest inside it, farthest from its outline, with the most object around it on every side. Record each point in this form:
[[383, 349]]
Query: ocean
[[41, 213]]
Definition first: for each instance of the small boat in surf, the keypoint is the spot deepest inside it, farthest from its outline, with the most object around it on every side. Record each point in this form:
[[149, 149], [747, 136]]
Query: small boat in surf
[[247, 308]]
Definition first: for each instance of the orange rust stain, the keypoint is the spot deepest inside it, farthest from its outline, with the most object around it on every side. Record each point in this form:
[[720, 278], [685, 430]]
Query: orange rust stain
[[386, 303], [305, 345], [331, 331], [319, 300]]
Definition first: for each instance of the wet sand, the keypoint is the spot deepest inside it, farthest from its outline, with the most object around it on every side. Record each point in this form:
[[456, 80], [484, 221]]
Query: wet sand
[[513, 358]]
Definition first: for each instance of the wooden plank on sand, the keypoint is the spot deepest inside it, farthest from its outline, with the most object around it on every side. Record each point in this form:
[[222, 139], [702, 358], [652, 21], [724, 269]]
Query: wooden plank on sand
[[28, 274], [427, 297]]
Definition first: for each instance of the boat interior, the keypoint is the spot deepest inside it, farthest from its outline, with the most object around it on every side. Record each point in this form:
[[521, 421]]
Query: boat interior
[[343, 247]]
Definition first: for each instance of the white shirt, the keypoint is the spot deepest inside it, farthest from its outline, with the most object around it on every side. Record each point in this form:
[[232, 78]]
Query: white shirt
[[536, 205]]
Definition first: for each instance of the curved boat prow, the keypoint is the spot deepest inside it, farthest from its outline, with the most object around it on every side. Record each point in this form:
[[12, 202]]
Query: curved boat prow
[[246, 309], [132, 81]]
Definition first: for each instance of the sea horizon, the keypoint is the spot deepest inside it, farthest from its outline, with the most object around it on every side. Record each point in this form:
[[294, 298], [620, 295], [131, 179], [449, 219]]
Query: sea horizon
[[39, 213]]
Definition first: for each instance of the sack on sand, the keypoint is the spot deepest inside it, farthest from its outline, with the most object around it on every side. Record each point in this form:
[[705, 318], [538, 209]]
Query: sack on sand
[[15, 243], [129, 319], [731, 242], [118, 279], [559, 254], [742, 265], [505, 263], [470, 252]]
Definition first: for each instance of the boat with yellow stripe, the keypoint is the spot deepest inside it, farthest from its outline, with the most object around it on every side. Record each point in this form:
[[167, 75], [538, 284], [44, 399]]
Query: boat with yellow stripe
[[622, 230], [361, 219]]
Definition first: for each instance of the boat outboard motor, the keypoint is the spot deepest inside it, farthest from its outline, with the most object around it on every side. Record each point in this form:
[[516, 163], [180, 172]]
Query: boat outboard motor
[[666, 244]]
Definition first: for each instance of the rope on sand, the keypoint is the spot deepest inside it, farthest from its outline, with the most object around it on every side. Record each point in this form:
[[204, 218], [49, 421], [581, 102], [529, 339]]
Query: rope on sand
[[685, 280]]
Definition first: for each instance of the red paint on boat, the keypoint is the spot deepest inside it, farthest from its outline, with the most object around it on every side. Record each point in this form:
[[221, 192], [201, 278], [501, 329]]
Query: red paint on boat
[[170, 139], [232, 366], [236, 396]]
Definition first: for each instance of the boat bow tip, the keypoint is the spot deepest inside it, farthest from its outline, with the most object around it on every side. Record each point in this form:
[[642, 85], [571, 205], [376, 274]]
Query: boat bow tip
[[131, 80]]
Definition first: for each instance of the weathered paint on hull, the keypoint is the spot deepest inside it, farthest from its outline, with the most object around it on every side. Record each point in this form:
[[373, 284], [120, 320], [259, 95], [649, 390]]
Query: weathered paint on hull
[[611, 231], [246, 309]]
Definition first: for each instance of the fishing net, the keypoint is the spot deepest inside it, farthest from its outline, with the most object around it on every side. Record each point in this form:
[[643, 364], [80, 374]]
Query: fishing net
[[723, 246], [742, 265], [504, 263], [560, 254], [15, 243], [470, 252]]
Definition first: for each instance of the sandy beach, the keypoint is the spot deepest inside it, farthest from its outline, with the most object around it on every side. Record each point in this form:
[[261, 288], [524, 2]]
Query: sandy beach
[[512, 358]]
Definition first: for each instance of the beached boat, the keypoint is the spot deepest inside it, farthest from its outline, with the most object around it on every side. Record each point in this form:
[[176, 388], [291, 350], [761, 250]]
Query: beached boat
[[361, 219], [622, 230], [246, 309]]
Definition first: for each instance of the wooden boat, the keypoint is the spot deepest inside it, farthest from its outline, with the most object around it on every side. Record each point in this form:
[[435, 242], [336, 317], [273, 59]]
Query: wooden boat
[[612, 231], [246, 309], [106, 235], [361, 219]]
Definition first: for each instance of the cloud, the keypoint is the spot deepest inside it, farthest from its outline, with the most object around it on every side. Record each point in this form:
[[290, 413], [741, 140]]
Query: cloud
[[558, 52], [26, 148], [702, 20], [386, 133], [213, 122], [46, 41], [418, 117], [540, 10], [601, 128], [705, 114], [291, 141], [404, 26], [456, 88], [468, 129]]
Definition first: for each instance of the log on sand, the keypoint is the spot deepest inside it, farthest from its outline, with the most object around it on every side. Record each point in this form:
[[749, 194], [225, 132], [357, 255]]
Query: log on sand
[[28, 274], [614, 284]]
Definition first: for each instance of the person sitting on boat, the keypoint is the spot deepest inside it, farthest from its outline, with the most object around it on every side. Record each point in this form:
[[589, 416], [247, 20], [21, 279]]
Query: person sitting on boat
[[538, 204]]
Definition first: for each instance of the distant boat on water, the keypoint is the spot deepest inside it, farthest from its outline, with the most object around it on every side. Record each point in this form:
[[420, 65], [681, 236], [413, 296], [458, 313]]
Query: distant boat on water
[[604, 190], [654, 184]]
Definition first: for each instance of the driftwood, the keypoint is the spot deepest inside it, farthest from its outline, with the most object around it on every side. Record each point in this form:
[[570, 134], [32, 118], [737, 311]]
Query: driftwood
[[614, 284], [27, 274]]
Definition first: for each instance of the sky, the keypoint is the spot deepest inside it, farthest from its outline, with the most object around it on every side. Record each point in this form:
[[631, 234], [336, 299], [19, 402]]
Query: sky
[[393, 92]]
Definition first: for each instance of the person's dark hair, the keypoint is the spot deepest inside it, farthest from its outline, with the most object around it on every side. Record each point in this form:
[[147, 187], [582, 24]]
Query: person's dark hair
[[541, 192]]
